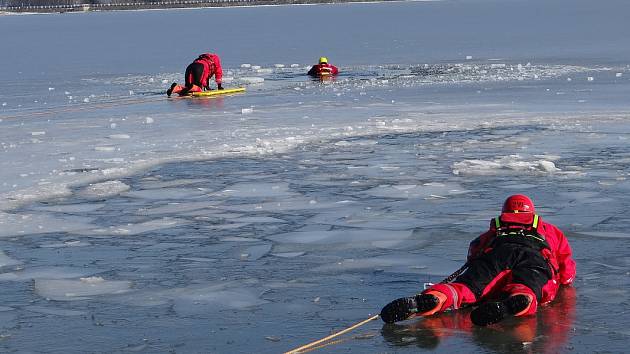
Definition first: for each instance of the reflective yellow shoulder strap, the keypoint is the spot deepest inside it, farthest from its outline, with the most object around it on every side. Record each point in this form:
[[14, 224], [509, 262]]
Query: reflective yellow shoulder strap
[[535, 223], [497, 222]]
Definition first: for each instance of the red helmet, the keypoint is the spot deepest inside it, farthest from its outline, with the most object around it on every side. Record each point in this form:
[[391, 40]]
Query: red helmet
[[518, 203], [518, 209]]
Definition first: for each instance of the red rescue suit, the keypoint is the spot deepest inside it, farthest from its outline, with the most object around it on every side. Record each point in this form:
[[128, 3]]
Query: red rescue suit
[[198, 74], [519, 254], [323, 69], [548, 332], [211, 65]]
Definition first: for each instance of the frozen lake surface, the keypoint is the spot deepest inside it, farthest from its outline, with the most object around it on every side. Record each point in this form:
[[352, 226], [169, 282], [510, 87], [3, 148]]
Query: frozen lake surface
[[130, 222]]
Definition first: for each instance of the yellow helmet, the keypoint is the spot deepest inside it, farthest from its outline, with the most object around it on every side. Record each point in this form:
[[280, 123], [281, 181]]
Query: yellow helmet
[[323, 60]]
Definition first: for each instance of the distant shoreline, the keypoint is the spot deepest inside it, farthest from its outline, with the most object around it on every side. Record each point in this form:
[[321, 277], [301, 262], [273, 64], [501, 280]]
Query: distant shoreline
[[174, 4]]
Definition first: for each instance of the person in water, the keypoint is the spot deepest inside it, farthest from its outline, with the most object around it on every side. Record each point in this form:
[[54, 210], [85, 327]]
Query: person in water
[[198, 75], [519, 263], [323, 69]]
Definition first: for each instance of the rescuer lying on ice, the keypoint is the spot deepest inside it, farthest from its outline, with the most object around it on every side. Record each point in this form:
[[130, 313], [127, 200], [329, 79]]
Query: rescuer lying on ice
[[517, 264], [198, 75]]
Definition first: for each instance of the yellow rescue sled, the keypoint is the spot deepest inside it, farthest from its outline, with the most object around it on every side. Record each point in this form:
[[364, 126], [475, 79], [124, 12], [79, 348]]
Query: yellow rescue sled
[[217, 92]]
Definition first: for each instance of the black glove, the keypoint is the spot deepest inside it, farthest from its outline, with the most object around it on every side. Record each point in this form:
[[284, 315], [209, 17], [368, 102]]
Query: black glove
[[399, 309], [219, 87]]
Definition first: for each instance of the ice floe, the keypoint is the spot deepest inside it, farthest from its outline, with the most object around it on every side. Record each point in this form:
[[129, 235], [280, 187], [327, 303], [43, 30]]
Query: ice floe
[[104, 189], [81, 289]]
